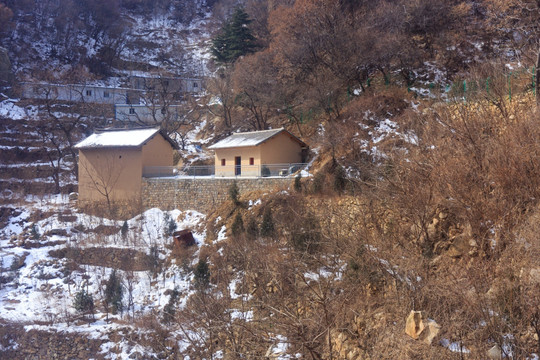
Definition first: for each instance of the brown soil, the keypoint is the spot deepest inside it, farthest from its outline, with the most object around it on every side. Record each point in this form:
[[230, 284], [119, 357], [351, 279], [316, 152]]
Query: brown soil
[[123, 259]]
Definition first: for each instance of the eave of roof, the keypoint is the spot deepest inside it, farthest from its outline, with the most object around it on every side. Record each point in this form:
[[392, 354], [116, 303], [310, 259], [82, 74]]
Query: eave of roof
[[124, 138], [253, 138]]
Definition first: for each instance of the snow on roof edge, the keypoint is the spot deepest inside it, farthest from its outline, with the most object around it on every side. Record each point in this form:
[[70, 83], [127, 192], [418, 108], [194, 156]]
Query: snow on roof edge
[[117, 138]]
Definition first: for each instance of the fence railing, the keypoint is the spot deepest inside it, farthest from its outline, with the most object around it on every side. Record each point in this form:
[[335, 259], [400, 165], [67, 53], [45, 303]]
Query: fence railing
[[266, 170]]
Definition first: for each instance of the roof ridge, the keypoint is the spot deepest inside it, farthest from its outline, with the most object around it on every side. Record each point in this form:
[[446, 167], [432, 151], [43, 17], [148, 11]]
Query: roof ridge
[[102, 130], [257, 131]]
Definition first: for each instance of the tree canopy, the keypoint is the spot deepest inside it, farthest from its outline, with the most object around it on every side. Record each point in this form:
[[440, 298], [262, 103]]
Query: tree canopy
[[235, 39]]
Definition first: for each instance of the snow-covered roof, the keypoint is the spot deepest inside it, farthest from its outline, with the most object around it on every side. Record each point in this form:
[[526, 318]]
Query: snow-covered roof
[[252, 138], [117, 138]]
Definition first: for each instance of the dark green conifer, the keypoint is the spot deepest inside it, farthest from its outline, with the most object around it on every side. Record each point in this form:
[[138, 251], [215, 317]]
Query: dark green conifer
[[234, 40], [114, 293]]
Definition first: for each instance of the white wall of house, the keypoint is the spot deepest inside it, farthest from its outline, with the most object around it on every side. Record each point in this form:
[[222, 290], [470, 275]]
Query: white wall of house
[[80, 93], [148, 114]]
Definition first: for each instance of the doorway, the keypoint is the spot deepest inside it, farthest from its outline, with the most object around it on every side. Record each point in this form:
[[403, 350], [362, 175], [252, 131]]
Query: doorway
[[238, 165]]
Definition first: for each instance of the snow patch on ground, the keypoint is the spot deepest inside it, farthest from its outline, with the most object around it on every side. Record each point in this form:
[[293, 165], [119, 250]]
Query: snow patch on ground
[[40, 288], [9, 109]]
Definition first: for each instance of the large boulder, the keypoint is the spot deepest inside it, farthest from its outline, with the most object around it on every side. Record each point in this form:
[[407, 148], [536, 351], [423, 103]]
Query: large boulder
[[420, 328], [495, 353]]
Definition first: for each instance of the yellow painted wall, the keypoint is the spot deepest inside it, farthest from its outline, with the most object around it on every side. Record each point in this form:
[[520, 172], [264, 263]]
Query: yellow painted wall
[[118, 171], [245, 153], [281, 149], [113, 171], [157, 152]]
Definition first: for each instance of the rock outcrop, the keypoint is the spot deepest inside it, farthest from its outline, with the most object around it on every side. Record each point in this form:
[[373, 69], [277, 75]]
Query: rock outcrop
[[420, 328]]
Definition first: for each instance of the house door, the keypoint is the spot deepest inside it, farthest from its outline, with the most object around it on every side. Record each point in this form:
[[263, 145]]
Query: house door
[[238, 165]]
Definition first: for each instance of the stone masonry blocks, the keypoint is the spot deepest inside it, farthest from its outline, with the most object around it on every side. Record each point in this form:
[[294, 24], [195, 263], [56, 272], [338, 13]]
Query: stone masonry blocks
[[203, 195]]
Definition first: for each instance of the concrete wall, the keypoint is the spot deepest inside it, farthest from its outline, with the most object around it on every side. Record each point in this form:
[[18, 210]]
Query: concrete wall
[[199, 194]]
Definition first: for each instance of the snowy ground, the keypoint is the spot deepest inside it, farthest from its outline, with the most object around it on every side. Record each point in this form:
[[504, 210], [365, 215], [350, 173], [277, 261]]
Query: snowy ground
[[39, 288]]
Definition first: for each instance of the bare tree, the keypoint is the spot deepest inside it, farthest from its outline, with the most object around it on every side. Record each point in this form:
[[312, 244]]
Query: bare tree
[[224, 104], [103, 178]]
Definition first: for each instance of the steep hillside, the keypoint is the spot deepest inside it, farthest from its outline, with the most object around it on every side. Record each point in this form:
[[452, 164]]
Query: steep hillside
[[411, 234], [50, 41]]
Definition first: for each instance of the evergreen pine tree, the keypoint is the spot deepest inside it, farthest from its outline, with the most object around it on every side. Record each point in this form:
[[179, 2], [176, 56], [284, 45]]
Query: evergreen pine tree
[[114, 293], [83, 302], [234, 40]]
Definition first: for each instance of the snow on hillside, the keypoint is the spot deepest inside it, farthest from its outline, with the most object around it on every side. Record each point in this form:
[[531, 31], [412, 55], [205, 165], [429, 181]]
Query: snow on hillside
[[10, 109], [174, 45], [39, 287]]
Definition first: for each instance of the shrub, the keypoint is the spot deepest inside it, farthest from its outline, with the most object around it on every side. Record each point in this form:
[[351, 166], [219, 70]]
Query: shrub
[[124, 229], [153, 257], [318, 183], [83, 302], [238, 225], [35, 232], [170, 225], [340, 178], [298, 182], [267, 226], [307, 237], [265, 171], [169, 310], [234, 193], [202, 274], [252, 229]]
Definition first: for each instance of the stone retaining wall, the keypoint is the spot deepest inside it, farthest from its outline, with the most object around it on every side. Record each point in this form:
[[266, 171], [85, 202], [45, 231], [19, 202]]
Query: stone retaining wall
[[201, 194]]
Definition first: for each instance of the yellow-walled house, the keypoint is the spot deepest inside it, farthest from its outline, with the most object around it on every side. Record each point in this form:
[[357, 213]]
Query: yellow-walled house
[[111, 165], [259, 153]]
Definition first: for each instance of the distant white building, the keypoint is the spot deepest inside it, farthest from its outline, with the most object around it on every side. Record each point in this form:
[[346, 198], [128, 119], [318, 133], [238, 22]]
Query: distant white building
[[172, 85], [146, 114], [80, 93]]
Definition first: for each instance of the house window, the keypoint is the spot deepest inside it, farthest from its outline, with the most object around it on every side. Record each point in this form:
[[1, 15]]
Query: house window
[[195, 85], [88, 92], [131, 111], [163, 111], [222, 162], [106, 94], [251, 161]]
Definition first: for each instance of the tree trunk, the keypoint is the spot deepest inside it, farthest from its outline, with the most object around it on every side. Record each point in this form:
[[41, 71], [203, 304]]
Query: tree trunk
[[536, 78]]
